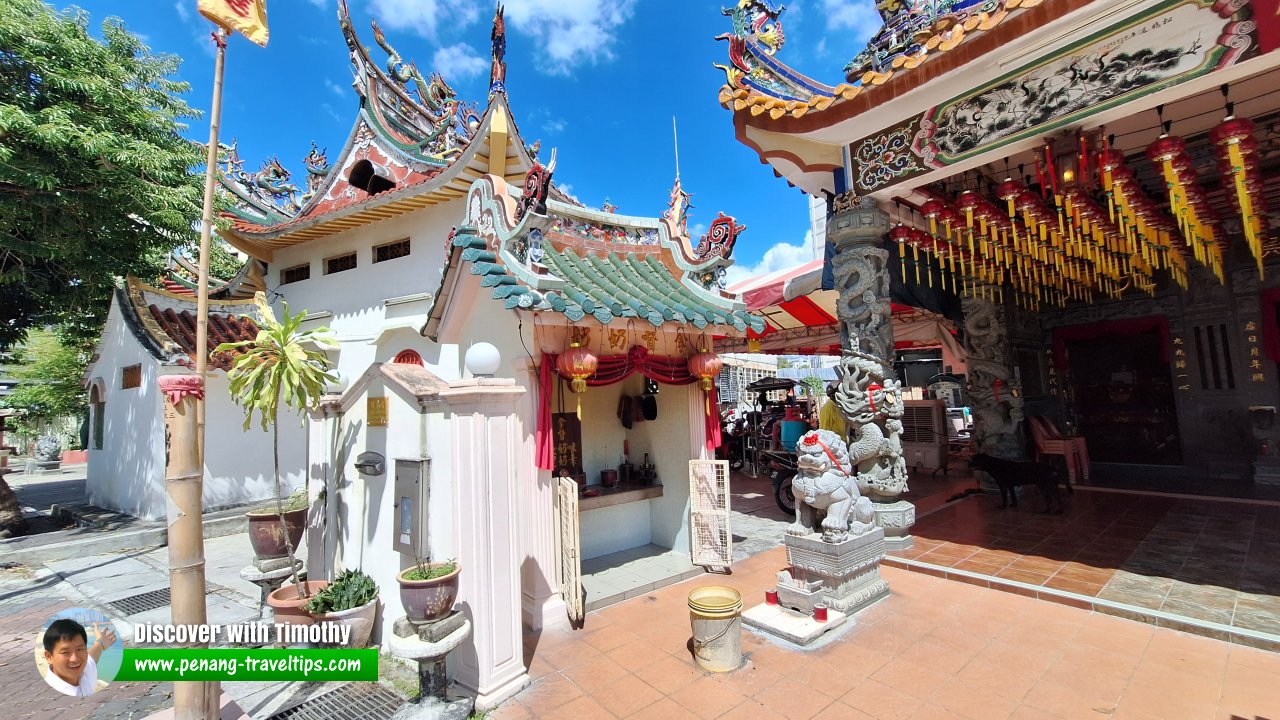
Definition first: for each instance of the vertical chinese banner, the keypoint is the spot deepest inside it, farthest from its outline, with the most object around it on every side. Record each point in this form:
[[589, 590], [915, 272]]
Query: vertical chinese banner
[[1181, 374], [1253, 348]]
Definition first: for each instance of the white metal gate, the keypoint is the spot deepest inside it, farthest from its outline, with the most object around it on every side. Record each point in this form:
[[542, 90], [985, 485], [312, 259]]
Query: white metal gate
[[710, 540], [570, 548]]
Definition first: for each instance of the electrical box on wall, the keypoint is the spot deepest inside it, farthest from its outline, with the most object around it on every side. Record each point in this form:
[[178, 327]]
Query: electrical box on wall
[[413, 486]]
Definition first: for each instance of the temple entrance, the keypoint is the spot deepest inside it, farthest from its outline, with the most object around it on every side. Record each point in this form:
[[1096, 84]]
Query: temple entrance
[[1124, 398]]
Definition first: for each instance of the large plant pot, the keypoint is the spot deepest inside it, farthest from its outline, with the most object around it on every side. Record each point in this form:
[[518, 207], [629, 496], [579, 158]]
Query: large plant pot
[[267, 537], [360, 620], [287, 605], [428, 600]]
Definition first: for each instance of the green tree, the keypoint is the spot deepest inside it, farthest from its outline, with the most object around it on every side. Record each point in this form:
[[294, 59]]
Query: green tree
[[49, 368], [223, 263], [278, 365], [95, 179]]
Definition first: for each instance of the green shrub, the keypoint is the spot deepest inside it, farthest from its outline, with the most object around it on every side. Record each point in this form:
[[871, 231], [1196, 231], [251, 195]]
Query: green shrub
[[350, 590]]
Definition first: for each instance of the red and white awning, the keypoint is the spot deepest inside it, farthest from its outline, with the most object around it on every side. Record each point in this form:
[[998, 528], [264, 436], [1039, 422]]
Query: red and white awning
[[800, 317]]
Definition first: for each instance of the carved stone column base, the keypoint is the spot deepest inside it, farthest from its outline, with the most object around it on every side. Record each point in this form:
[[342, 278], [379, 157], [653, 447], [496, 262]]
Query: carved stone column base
[[896, 519], [844, 576], [428, 644], [268, 575]]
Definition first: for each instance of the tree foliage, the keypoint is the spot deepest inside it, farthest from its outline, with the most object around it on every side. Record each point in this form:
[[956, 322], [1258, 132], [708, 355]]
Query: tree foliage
[[49, 368], [223, 263], [95, 179]]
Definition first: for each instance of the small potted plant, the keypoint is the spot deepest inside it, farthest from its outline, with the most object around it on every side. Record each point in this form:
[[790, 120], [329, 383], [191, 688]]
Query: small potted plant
[[287, 602], [428, 590], [267, 532], [351, 600]]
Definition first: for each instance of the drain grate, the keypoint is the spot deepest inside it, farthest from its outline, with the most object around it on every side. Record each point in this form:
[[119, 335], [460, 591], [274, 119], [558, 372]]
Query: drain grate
[[358, 701], [143, 602]]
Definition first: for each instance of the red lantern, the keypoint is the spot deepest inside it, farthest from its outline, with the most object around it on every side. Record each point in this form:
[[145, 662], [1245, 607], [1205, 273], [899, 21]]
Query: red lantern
[[705, 366], [577, 363]]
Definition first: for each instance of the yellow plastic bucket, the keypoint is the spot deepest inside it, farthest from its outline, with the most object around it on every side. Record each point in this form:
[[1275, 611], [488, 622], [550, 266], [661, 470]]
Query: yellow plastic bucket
[[715, 612]]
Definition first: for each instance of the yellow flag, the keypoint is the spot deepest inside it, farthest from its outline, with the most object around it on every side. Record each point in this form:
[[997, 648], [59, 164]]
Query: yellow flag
[[247, 17]]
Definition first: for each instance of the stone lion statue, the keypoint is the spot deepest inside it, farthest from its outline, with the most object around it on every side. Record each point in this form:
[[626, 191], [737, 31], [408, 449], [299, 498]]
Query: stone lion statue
[[825, 492]]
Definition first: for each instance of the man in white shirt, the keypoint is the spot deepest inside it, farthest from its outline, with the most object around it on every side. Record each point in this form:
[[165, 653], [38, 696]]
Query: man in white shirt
[[73, 666]]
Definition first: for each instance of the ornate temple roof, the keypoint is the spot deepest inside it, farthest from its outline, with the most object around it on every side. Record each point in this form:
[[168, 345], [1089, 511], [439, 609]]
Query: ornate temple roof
[[914, 31], [413, 144], [165, 323], [552, 257], [181, 278]]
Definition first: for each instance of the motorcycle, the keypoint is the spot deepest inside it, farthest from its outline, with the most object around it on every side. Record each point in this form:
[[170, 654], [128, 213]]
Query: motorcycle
[[782, 470]]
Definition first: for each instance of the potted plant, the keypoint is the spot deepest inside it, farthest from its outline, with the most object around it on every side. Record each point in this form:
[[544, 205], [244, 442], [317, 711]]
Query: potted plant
[[283, 362], [351, 600], [287, 602], [268, 535], [428, 590]]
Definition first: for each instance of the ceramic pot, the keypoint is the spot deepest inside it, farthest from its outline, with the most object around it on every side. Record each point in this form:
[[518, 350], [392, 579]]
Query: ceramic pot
[[287, 606], [360, 620], [428, 600], [267, 537]]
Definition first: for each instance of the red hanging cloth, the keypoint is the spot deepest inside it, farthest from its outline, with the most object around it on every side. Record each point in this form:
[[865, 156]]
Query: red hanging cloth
[[544, 452]]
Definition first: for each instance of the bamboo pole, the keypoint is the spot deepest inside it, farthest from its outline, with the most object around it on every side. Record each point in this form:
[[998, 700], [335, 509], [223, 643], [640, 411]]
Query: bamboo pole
[[184, 478]]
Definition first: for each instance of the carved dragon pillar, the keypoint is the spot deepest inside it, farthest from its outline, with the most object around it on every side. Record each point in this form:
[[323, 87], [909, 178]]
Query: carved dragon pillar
[[869, 394], [995, 391]]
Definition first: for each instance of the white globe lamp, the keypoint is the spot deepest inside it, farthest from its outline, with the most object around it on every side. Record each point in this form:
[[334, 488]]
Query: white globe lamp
[[338, 385], [482, 359]]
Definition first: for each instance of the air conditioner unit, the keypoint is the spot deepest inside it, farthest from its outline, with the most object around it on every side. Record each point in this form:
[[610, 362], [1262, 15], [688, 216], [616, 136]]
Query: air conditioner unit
[[924, 433]]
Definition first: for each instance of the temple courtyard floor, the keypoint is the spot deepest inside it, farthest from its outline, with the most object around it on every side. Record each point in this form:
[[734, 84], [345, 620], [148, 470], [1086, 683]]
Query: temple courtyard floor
[[1129, 605]]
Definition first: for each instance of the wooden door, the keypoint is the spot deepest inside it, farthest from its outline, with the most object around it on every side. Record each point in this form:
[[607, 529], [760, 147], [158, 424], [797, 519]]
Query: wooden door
[[570, 548], [710, 539]]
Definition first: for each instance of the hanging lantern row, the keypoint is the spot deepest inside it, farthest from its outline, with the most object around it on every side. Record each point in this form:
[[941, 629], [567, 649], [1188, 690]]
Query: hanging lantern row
[[1238, 159], [1141, 223], [578, 363], [1188, 201]]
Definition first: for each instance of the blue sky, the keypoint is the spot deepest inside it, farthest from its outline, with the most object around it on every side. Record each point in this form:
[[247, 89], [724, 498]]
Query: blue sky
[[599, 81]]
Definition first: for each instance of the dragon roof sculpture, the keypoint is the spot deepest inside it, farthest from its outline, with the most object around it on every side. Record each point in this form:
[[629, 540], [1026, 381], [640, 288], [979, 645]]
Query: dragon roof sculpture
[[411, 128], [913, 31]]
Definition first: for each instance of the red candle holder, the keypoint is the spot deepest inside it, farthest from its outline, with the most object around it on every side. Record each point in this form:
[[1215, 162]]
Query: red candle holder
[[820, 613], [771, 597]]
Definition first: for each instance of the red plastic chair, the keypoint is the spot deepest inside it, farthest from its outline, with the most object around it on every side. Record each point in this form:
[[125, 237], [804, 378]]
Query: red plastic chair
[[1050, 441]]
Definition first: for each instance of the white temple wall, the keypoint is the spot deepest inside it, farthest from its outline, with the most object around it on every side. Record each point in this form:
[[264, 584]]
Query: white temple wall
[[671, 435], [238, 465], [127, 474], [355, 299]]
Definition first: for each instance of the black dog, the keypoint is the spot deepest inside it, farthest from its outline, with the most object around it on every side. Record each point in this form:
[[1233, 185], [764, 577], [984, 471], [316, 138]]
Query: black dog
[[1009, 474]]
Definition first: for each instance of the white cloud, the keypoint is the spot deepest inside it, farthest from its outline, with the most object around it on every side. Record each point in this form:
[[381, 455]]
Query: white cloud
[[335, 88], [317, 3], [779, 257], [424, 17], [459, 62], [567, 189], [542, 117], [332, 113], [184, 14], [572, 31], [857, 15]]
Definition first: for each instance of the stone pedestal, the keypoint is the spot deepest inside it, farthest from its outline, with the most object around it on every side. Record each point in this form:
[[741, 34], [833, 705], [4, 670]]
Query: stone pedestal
[[896, 519], [845, 575], [429, 644], [268, 575]]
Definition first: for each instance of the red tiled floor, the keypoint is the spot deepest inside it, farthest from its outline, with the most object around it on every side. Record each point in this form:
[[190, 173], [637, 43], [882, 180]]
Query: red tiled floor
[[1208, 560], [932, 649]]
